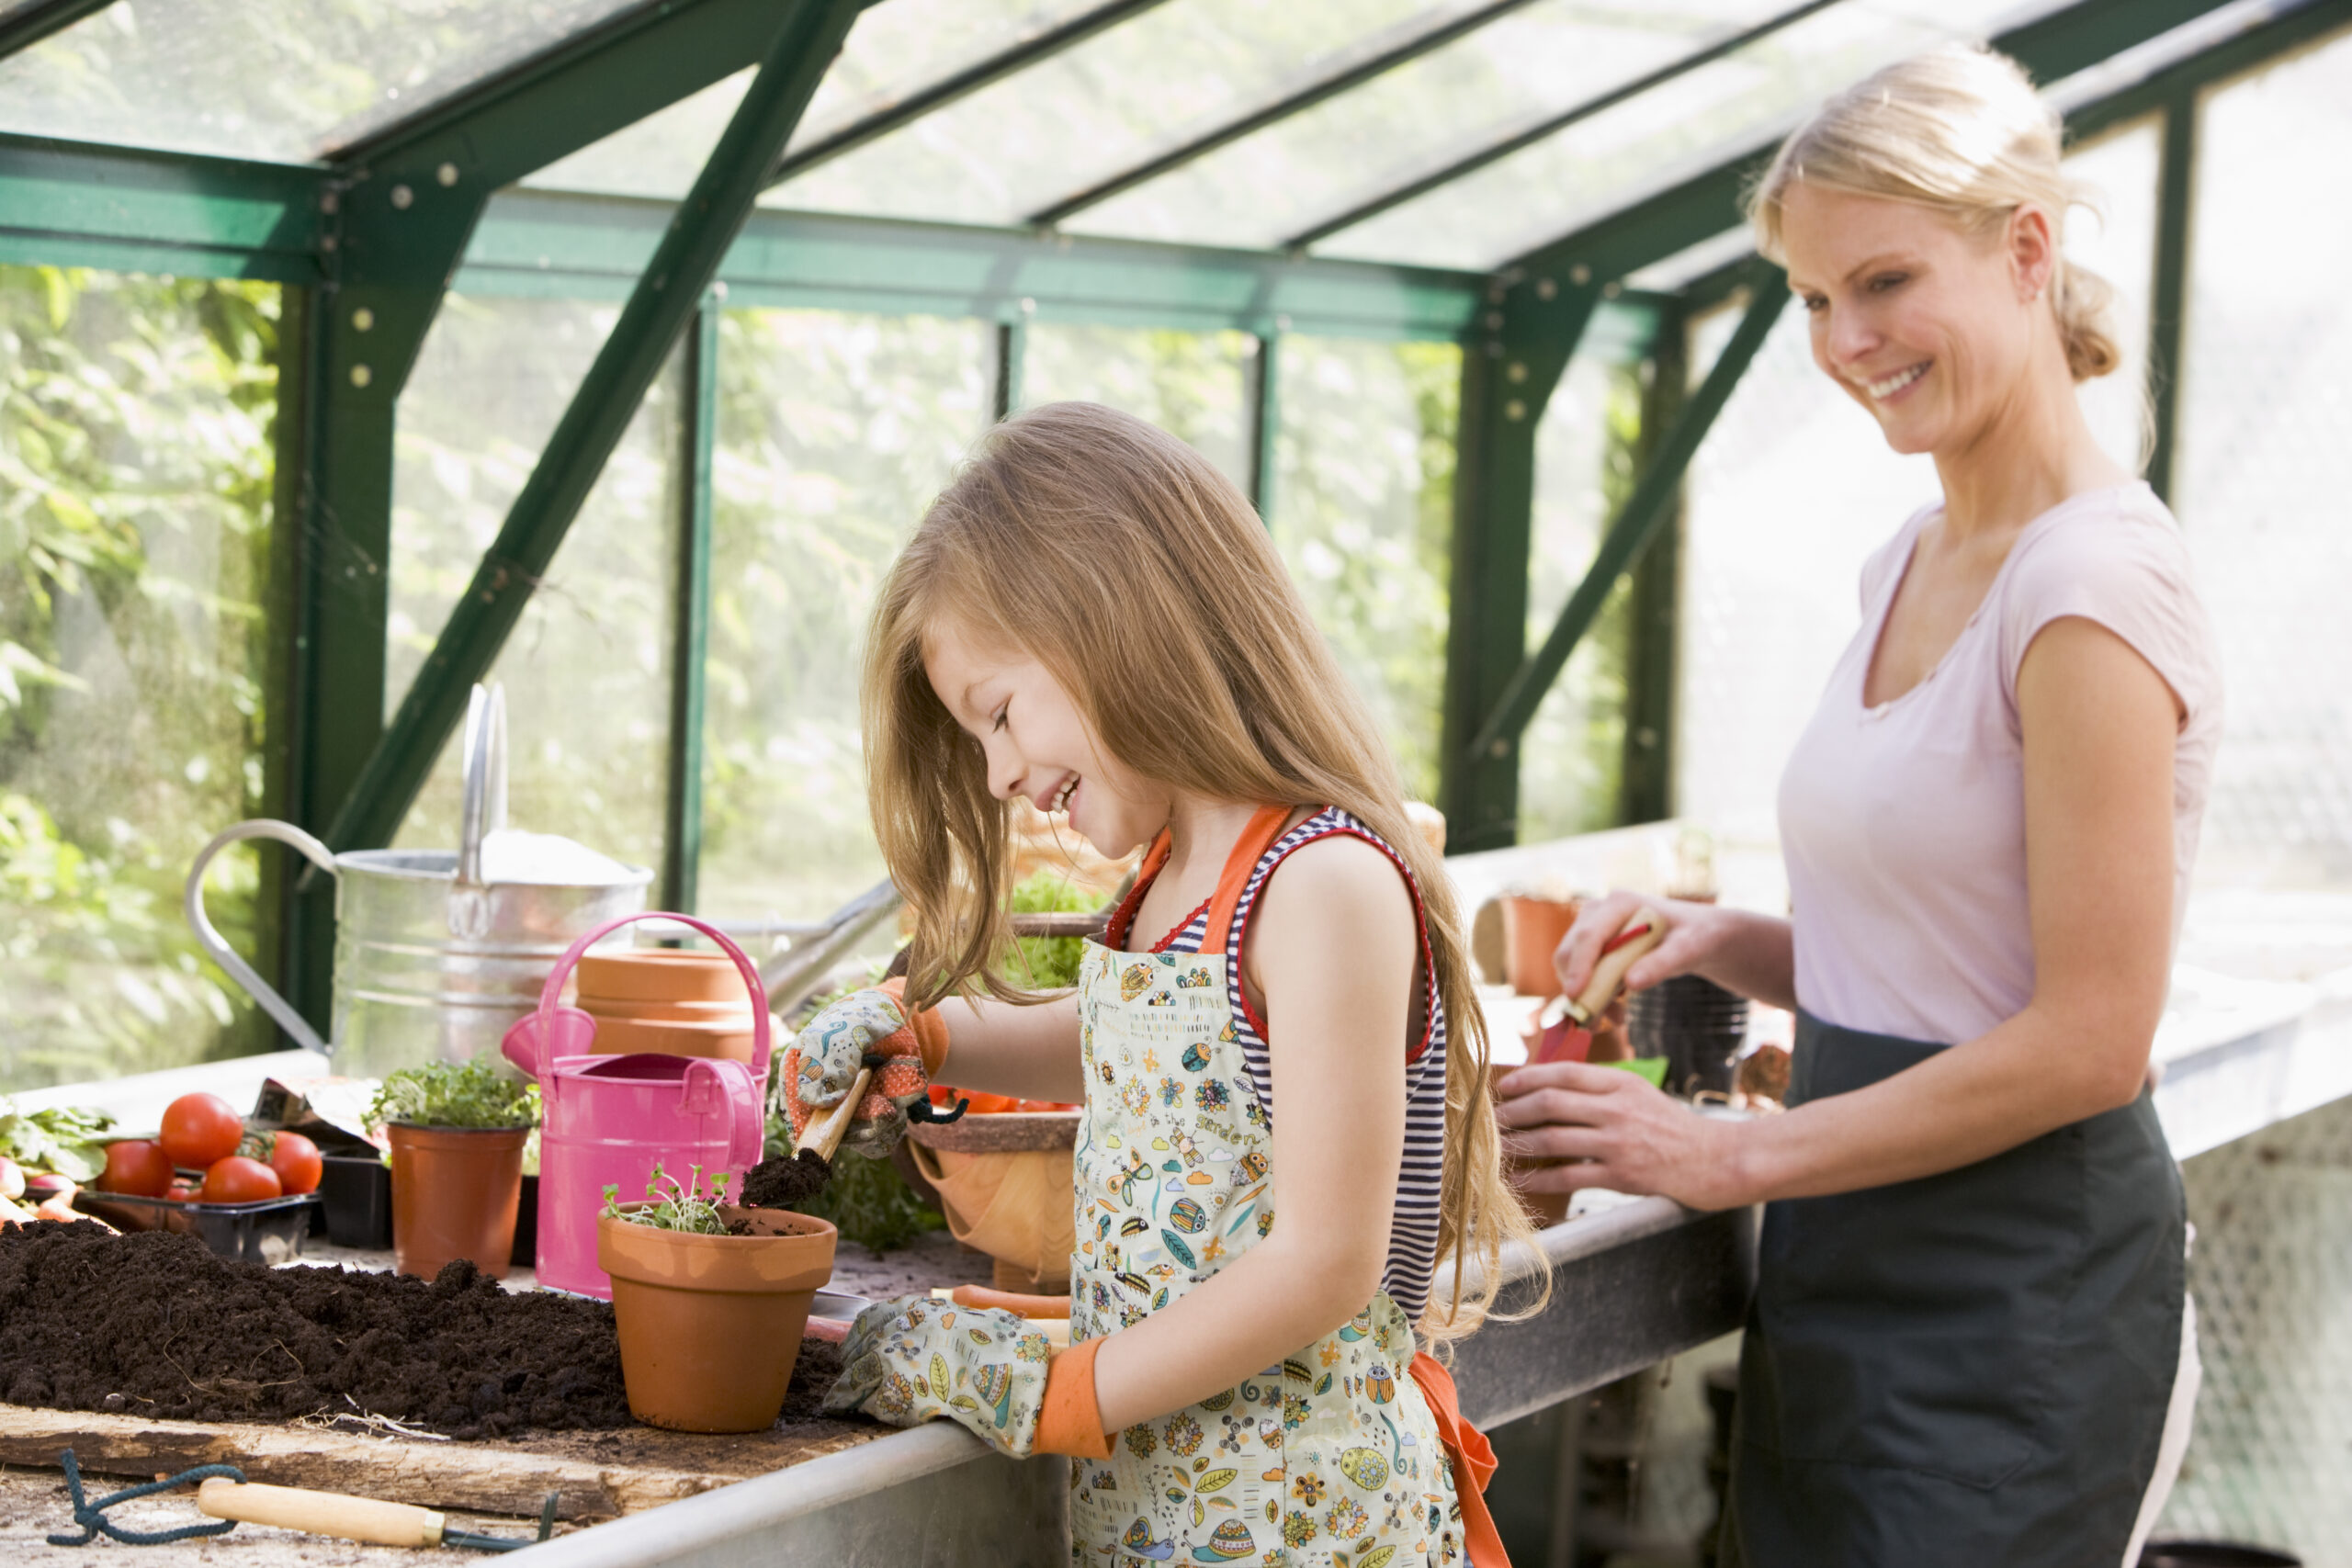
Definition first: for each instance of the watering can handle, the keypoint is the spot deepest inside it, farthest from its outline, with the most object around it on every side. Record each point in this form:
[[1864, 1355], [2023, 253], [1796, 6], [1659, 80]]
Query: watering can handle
[[553, 990], [482, 810], [293, 1022]]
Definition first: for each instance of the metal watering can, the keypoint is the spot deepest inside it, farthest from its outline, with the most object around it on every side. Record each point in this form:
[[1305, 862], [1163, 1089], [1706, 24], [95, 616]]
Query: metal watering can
[[432, 962], [603, 1120]]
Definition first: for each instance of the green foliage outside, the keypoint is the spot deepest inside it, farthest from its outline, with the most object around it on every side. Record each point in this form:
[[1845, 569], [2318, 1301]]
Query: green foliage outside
[[1047, 963], [135, 471]]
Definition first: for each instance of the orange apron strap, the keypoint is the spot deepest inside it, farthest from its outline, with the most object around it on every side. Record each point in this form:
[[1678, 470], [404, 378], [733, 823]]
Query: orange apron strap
[[1264, 828], [1473, 1461]]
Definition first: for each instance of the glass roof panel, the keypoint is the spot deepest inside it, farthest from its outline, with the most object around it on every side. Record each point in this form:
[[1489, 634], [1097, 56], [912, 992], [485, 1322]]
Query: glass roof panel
[[1691, 123], [283, 80], [1470, 93], [893, 50], [1014, 147]]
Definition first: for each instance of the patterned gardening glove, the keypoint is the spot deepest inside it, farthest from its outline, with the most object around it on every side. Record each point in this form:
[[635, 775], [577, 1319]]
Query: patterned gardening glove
[[916, 1359], [825, 1058]]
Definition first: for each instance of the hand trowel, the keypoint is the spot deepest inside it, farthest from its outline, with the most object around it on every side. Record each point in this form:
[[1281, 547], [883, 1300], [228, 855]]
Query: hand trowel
[[1566, 1021]]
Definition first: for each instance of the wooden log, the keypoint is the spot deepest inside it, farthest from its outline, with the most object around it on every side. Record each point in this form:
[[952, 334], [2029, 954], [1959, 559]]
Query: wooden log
[[597, 1475]]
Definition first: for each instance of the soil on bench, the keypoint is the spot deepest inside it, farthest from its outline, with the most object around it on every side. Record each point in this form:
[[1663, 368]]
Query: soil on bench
[[153, 1324]]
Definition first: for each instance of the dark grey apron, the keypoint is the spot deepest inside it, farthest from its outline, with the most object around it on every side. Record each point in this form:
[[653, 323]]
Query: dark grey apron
[[1971, 1368]]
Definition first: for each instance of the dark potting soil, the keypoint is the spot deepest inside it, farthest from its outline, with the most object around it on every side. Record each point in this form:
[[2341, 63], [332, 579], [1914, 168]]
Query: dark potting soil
[[155, 1323], [785, 1181]]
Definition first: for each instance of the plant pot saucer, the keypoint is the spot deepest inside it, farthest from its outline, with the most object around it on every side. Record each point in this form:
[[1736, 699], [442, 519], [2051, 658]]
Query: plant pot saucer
[[1002, 1132]]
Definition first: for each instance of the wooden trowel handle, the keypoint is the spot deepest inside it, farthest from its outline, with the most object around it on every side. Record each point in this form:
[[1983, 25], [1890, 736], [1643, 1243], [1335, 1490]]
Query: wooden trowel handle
[[1609, 972], [322, 1513], [825, 1137]]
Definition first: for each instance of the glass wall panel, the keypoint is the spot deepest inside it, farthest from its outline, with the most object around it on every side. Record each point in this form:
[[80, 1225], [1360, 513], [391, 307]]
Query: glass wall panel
[[2117, 240], [2265, 467], [1015, 147], [834, 433], [1364, 517], [1572, 753], [1417, 117], [587, 669], [1681, 127], [287, 80], [135, 468], [1193, 385]]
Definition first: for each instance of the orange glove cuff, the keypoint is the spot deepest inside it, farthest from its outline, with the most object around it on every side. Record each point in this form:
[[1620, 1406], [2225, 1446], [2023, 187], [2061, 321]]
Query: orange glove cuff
[[926, 1031], [1070, 1422]]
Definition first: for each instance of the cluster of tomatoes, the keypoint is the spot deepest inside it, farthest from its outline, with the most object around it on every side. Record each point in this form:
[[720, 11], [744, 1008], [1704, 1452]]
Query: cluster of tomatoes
[[203, 1133]]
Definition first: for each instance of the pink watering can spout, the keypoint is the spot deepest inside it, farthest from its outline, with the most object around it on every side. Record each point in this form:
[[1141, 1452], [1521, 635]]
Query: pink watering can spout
[[608, 1119]]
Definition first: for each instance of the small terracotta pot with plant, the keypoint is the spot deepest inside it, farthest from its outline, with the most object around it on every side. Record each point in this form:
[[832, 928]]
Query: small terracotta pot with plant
[[710, 1301], [457, 1136]]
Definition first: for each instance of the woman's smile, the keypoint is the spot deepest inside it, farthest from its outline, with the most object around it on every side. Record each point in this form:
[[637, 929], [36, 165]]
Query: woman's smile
[[1888, 388]]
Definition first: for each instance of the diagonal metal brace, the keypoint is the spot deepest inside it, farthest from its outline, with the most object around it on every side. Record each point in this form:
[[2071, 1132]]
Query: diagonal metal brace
[[1636, 524], [665, 298]]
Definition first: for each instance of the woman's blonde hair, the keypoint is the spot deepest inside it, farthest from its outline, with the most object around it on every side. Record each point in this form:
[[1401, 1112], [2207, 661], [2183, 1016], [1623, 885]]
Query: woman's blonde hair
[[1959, 130], [1121, 561]]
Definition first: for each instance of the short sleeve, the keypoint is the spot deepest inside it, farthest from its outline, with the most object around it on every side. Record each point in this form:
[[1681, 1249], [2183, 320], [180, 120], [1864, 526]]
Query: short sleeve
[[2127, 568]]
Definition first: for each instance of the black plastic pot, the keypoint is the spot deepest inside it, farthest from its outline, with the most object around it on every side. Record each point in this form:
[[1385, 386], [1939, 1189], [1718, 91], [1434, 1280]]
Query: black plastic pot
[[2213, 1554], [357, 1190]]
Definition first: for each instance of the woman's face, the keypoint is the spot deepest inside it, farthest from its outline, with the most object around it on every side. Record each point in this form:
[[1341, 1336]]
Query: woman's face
[[1929, 329], [1036, 741]]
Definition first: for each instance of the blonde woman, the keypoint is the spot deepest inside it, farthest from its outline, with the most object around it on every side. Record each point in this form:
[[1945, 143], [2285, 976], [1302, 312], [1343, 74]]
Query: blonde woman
[[1968, 1343], [1092, 617]]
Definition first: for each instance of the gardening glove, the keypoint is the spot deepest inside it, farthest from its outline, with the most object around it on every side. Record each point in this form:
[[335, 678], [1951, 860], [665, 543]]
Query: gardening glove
[[825, 1057], [917, 1360]]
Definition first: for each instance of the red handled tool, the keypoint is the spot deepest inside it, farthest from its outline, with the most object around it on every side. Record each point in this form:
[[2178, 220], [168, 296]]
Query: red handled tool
[[1566, 1021]]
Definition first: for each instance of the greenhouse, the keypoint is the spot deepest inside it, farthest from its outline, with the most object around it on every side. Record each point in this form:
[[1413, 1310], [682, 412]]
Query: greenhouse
[[425, 417]]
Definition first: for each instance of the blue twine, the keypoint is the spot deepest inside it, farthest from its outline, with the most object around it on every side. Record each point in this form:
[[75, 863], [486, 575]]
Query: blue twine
[[92, 1517]]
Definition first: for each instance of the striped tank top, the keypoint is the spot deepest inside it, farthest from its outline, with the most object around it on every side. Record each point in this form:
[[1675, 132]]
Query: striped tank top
[[1413, 1229]]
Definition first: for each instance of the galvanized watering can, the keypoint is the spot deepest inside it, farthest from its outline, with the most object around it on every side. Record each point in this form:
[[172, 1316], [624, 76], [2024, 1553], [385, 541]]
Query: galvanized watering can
[[432, 961], [605, 1120]]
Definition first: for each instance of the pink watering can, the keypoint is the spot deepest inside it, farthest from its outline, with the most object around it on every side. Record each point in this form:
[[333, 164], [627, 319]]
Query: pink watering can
[[605, 1120]]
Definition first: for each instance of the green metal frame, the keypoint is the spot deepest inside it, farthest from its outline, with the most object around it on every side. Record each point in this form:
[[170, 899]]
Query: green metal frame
[[127, 209], [1012, 364], [1646, 771], [40, 19], [683, 266], [699, 433], [968, 80], [1354, 74], [1265, 420]]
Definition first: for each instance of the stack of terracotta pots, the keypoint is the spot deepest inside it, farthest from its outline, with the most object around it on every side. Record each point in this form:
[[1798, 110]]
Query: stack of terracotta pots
[[666, 1002]]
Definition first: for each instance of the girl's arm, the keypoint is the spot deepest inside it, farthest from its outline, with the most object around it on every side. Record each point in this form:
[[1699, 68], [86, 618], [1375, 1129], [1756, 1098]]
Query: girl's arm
[[1333, 949], [2099, 725], [998, 1047], [1737, 948]]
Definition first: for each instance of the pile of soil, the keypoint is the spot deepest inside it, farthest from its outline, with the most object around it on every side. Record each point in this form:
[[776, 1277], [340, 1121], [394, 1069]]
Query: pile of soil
[[155, 1323], [787, 1181]]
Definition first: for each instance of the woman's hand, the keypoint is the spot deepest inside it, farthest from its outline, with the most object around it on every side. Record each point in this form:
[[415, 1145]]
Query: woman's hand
[[1741, 951], [1612, 1129]]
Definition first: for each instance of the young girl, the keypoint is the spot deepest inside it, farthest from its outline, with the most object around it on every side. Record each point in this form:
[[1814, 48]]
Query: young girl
[[1091, 616]]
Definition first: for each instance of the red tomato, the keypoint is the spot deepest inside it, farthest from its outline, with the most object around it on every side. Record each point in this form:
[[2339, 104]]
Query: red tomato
[[183, 1191], [295, 1160], [137, 1167], [199, 1129], [240, 1180]]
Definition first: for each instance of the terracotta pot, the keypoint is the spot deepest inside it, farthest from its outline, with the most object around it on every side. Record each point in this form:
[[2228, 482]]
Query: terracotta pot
[[455, 1192], [668, 1037], [661, 975], [1532, 931], [710, 1324], [1012, 1202], [737, 1010]]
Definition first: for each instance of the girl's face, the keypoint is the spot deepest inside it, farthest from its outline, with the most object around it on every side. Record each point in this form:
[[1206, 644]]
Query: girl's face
[[1037, 743], [1929, 329]]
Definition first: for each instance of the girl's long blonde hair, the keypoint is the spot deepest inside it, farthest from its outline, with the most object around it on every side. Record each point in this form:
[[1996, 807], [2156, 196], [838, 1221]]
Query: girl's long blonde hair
[[1126, 564]]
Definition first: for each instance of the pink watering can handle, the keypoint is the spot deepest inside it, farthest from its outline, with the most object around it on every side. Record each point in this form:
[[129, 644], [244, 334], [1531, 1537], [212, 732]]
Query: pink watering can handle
[[540, 1042]]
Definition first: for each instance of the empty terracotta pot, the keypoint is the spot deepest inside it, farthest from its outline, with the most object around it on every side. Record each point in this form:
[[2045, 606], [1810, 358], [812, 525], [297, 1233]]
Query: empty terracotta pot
[[710, 1325], [1532, 931], [455, 1193], [661, 975], [675, 1037], [666, 1002]]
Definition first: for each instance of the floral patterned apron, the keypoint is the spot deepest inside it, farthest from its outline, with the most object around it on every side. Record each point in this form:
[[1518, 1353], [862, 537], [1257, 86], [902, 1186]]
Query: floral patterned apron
[[1333, 1457]]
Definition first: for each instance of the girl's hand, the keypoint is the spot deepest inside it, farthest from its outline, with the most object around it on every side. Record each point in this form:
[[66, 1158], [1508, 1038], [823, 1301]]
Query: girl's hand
[[825, 1057], [1612, 1129], [917, 1360], [1693, 931]]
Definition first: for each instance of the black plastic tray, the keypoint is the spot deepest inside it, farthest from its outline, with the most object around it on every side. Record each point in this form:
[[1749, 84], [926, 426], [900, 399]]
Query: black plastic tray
[[270, 1231]]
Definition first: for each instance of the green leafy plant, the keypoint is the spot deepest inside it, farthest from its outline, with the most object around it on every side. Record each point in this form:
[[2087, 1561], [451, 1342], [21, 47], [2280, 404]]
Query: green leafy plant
[[673, 1205], [67, 1139], [870, 1204], [445, 1094]]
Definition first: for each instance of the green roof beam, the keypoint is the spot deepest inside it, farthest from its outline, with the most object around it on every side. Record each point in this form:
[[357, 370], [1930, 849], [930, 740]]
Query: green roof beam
[[938, 95], [41, 19], [1378, 62], [78, 204]]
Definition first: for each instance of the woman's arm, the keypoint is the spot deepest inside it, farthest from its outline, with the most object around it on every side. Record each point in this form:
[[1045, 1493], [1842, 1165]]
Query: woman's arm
[[999, 1048], [1334, 951], [1737, 948], [2099, 725]]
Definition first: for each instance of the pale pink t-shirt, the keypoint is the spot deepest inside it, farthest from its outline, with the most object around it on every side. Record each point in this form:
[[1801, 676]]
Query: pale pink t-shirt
[[1903, 825]]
